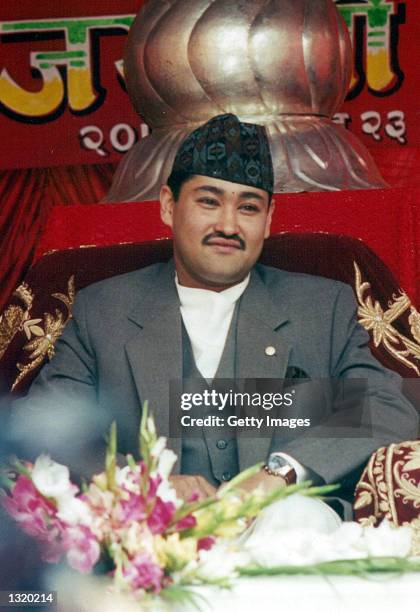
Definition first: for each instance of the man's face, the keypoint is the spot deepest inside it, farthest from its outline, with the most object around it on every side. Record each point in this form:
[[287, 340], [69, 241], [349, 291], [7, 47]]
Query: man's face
[[219, 230]]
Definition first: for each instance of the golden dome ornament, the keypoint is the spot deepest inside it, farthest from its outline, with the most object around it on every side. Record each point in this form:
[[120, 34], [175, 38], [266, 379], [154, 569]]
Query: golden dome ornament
[[284, 64]]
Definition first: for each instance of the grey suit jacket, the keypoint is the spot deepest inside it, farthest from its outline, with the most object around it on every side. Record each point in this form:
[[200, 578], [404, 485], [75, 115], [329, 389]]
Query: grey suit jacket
[[123, 345]]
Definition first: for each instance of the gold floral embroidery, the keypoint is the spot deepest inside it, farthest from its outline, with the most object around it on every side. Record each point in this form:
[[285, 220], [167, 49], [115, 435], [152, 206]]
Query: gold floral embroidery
[[43, 337], [376, 487], [379, 322], [414, 458], [369, 521], [14, 317], [409, 486], [414, 321], [364, 497], [377, 491]]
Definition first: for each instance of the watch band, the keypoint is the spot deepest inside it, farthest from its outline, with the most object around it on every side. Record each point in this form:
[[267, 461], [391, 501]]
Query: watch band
[[289, 476]]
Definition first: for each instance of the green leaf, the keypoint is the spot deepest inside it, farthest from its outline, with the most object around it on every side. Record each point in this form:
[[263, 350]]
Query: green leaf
[[144, 443], [131, 462], [111, 457], [5, 483], [20, 467], [343, 567], [189, 508], [240, 478], [177, 594]]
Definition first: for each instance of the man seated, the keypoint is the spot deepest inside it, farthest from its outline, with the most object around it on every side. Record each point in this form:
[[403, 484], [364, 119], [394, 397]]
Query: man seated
[[212, 312]]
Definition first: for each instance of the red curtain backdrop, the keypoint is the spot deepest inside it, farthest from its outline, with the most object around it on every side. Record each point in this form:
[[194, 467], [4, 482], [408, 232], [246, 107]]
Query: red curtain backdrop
[[26, 199]]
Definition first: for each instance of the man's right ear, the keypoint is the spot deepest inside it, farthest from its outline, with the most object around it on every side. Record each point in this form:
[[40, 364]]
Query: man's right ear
[[166, 205]]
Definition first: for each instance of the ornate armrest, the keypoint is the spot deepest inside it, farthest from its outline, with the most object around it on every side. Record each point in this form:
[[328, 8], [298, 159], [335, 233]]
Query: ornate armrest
[[390, 488]]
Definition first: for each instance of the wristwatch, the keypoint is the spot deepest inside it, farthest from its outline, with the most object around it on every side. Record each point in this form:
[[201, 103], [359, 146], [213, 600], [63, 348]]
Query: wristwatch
[[277, 465]]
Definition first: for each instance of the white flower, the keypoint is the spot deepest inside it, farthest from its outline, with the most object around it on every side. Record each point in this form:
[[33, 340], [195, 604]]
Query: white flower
[[151, 426], [388, 541], [52, 479], [166, 462], [158, 447], [167, 493], [220, 562], [138, 539], [128, 477], [74, 511]]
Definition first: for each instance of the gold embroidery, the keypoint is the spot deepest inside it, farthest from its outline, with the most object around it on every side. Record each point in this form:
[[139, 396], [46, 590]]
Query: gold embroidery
[[43, 338], [414, 457], [388, 477], [414, 321], [377, 485], [364, 497], [375, 319], [409, 489], [14, 317], [374, 487], [369, 521]]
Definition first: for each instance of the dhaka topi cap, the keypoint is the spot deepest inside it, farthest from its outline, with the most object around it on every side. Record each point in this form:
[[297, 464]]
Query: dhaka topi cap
[[230, 150]]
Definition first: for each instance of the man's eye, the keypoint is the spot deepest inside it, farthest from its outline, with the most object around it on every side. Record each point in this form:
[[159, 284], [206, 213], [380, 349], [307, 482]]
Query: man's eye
[[209, 201], [251, 208]]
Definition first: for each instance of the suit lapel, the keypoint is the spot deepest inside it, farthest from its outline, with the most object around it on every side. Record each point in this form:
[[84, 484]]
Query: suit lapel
[[155, 350], [260, 324]]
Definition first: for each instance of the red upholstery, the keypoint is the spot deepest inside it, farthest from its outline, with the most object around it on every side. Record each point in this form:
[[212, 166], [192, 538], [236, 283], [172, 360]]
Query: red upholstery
[[385, 219]]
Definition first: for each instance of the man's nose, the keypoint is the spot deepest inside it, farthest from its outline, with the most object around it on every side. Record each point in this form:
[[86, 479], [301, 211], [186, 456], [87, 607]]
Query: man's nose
[[227, 221]]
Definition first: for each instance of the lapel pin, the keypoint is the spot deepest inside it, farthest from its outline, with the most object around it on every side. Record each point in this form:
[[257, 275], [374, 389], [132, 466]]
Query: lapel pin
[[270, 351]]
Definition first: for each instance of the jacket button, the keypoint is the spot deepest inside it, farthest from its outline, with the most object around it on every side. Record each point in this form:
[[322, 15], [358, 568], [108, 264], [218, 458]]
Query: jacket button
[[270, 351], [226, 476], [221, 444]]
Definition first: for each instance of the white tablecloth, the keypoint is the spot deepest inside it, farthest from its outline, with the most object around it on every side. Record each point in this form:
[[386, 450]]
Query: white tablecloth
[[381, 593]]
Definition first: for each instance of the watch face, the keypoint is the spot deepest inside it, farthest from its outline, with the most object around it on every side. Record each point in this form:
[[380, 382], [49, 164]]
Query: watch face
[[276, 463]]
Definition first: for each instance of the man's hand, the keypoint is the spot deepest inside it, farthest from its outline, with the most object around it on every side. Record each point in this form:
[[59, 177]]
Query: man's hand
[[263, 480], [185, 486]]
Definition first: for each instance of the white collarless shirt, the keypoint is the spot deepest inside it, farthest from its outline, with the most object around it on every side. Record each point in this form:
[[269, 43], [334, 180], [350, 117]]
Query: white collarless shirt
[[207, 316]]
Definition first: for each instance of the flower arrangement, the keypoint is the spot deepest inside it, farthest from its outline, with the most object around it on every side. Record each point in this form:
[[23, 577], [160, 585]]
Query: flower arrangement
[[128, 517], [130, 520]]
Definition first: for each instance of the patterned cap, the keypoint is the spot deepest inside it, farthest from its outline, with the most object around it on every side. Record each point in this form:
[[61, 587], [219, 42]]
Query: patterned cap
[[230, 150]]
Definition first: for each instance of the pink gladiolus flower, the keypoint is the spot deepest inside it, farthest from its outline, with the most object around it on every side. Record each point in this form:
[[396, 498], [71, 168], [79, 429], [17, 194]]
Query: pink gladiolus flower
[[83, 550], [30, 509], [142, 573], [188, 522], [160, 516], [154, 483], [132, 509], [206, 543]]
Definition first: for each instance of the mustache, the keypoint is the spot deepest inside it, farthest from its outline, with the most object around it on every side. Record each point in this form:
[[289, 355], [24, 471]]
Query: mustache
[[234, 237]]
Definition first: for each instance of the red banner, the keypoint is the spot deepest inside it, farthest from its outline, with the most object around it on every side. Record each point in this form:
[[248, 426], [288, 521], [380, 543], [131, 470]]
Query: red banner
[[62, 94]]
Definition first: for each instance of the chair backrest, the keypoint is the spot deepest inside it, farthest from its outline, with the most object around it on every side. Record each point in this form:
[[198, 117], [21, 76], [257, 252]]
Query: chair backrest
[[41, 306]]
